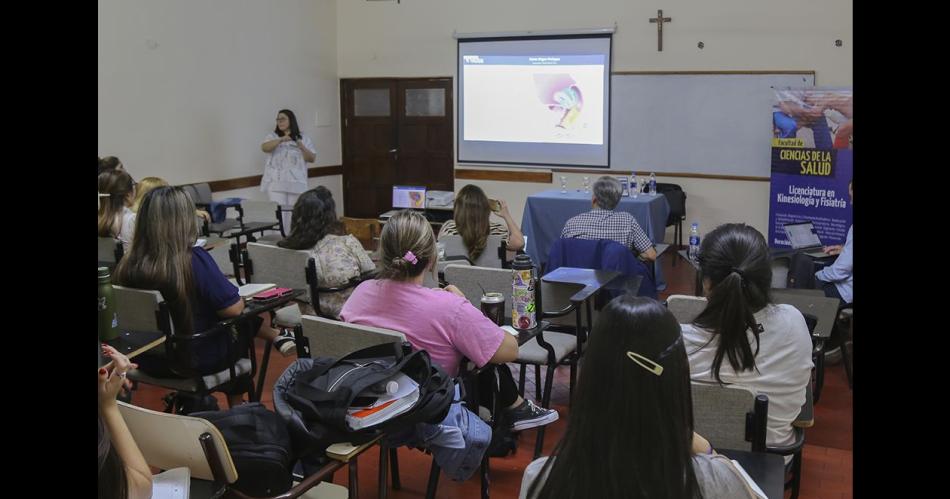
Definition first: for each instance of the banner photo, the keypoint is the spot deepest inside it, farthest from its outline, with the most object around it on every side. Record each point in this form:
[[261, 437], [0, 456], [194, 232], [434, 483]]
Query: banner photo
[[812, 163]]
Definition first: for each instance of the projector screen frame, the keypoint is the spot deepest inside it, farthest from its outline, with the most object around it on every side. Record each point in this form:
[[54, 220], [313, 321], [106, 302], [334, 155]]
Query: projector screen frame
[[487, 37]]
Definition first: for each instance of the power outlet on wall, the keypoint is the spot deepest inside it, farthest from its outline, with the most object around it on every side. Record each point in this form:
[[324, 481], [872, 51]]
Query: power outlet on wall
[[316, 120]]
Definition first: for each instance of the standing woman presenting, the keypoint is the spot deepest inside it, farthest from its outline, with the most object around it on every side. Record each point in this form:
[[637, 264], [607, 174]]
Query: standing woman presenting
[[285, 171]]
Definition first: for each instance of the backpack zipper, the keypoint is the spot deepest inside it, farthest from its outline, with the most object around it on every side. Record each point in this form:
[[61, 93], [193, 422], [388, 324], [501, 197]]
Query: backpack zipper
[[358, 366]]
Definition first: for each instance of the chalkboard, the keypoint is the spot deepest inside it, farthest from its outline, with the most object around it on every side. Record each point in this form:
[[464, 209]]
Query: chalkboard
[[710, 123]]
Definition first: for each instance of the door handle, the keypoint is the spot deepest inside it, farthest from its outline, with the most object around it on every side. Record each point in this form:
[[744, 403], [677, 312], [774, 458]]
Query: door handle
[[393, 150]]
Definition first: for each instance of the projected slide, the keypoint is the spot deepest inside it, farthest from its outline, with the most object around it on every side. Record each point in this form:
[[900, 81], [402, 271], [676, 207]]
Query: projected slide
[[555, 99]]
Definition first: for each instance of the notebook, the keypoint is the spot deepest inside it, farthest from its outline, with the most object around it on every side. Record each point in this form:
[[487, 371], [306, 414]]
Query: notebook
[[749, 481], [172, 484], [802, 237], [251, 289], [387, 406]]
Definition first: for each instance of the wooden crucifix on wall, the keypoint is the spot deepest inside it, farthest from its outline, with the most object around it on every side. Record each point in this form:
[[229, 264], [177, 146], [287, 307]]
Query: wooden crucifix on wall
[[659, 20]]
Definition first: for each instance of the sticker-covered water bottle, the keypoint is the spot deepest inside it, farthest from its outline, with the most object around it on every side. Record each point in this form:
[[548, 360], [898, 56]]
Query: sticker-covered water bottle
[[523, 310]]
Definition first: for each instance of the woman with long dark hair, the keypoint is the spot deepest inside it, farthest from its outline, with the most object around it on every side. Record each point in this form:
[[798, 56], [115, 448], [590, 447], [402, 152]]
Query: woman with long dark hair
[[741, 337], [339, 256], [109, 163], [630, 429], [163, 257], [472, 220], [288, 152]]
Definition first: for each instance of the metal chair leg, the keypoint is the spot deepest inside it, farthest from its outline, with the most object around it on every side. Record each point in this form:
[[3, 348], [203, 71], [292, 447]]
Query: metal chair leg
[[354, 481], [521, 379], [433, 484], [570, 393], [846, 359], [545, 403], [484, 474], [383, 460], [537, 381], [394, 464], [265, 361], [796, 474]]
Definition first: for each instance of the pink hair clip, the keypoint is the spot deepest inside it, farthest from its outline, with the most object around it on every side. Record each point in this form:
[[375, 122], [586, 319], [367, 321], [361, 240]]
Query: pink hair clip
[[411, 257]]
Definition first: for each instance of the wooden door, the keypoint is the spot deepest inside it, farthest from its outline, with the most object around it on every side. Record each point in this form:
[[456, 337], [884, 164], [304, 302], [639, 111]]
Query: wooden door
[[369, 146], [425, 134], [395, 131]]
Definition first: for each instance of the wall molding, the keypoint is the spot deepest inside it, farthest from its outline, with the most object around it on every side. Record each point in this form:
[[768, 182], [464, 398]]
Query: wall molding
[[547, 177], [667, 174], [541, 177]]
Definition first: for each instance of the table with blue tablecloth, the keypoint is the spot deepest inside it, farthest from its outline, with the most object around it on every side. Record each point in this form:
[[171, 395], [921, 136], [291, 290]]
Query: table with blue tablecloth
[[545, 214]]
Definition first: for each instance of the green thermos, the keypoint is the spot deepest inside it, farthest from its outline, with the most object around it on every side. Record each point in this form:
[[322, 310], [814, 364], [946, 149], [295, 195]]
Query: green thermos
[[108, 320]]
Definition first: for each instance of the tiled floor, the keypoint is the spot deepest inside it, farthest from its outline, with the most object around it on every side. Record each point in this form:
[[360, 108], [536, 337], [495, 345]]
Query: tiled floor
[[827, 468]]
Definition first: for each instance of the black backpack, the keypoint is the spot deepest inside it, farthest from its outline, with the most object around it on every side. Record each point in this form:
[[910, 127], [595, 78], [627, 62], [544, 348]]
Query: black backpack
[[259, 445], [313, 395]]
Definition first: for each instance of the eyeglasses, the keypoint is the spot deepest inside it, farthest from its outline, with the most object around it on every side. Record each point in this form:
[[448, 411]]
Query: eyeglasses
[[281, 119]]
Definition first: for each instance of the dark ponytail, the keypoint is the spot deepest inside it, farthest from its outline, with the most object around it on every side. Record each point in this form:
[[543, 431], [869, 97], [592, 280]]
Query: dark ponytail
[[735, 258]]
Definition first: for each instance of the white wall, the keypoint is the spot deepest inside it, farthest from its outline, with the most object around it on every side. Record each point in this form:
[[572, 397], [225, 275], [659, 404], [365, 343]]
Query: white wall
[[189, 88], [414, 38]]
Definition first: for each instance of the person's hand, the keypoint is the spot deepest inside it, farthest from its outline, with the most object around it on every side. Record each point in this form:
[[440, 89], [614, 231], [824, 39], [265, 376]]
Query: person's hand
[[833, 250], [503, 212], [204, 214], [112, 376], [812, 115], [286, 136], [454, 290], [700, 444]]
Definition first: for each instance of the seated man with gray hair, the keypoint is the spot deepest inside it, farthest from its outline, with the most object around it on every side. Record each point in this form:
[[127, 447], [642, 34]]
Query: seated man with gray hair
[[604, 223]]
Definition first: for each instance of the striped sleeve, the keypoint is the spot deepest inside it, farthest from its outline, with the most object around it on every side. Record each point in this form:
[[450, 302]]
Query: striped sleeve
[[448, 229]]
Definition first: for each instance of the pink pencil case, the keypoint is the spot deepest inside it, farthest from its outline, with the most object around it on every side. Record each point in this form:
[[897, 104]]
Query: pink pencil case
[[271, 293]]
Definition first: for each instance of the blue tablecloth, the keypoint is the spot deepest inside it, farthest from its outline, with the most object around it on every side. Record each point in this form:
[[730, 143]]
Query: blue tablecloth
[[545, 214]]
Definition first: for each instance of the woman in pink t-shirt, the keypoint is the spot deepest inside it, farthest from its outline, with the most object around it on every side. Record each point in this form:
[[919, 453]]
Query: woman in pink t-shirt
[[440, 321]]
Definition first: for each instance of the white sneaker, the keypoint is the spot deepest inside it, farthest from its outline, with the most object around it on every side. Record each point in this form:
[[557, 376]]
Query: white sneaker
[[285, 342]]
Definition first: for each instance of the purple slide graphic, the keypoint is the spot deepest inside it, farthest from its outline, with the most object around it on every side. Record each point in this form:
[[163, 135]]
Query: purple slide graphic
[[560, 92]]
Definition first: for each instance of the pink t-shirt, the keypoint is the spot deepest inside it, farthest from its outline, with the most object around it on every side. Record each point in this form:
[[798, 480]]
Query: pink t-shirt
[[445, 325]]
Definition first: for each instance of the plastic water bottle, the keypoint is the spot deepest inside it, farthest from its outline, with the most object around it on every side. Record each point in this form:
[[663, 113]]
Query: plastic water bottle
[[634, 186], [693, 251], [653, 184], [108, 320], [385, 387], [524, 280]]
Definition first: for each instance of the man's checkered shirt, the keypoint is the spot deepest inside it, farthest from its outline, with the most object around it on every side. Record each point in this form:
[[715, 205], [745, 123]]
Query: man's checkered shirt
[[619, 226]]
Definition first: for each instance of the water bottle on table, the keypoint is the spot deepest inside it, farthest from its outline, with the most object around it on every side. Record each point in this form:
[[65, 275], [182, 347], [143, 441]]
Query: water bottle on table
[[693, 252], [653, 184]]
